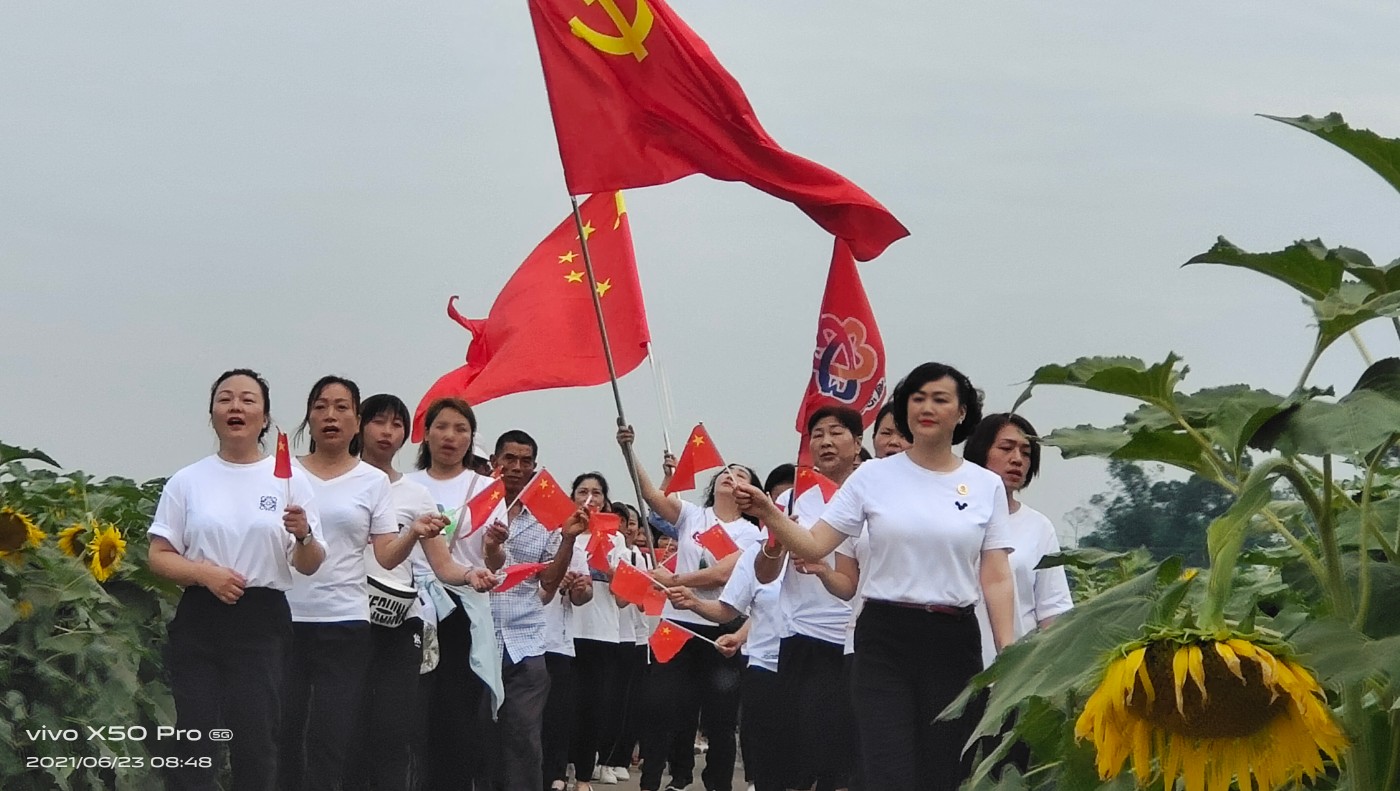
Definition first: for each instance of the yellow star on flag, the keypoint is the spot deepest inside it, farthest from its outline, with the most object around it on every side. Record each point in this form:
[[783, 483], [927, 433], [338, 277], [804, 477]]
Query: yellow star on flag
[[568, 258], [574, 277], [698, 441], [587, 230], [604, 286]]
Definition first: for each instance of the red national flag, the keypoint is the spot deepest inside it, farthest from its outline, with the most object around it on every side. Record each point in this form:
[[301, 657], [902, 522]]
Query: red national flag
[[668, 640], [542, 331], [546, 501], [848, 366], [653, 105], [717, 541], [632, 585], [282, 466], [600, 522], [484, 503], [514, 575], [808, 478], [699, 454], [599, 547], [670, 562]]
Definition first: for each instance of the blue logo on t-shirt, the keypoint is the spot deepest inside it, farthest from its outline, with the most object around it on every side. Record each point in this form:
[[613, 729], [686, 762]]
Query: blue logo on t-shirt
[[267, 503], [961, 506]]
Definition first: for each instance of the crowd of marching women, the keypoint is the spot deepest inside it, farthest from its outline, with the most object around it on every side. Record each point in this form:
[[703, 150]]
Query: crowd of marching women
[[468, 625]]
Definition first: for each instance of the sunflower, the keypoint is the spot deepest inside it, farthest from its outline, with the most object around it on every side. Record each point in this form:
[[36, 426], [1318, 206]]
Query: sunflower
[[24, 608], [68, 541], [16, 531], [107, 547], [1210, 711]]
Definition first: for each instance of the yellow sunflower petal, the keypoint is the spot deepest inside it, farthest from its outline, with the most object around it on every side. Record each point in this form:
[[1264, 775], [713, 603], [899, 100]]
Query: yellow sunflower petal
[[1196, 667], [1131, 666], [1227, 655], [1179, 662]]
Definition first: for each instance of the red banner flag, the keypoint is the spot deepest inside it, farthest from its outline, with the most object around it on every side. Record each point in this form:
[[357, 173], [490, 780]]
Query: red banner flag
[[542, 331], [484, 503], [848, 366], [632, 585], [699, 454], [717, 542], [546, 501], [653, 105], [668, 640], [514, 575], [282, 466], [808, 478]]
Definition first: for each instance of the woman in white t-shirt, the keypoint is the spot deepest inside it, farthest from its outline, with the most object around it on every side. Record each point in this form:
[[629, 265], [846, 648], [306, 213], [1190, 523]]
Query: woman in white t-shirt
[[381, 757], [227, 531], [455, 696], [699, 684], [938, 543]]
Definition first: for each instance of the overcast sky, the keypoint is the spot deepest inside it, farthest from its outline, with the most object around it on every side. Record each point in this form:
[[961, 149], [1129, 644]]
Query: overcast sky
[[298, 188]]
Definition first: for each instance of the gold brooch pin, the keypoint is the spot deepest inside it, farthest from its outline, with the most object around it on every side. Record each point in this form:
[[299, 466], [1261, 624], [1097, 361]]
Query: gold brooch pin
[[963, 490]]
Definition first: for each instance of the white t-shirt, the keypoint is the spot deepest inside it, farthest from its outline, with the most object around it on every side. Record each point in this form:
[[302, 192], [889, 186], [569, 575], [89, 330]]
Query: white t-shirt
[[560, 613], [692, 521], [762, 603], [926, 529], [858, 548], [599, 618], [450, 496], [411, 500], [231, 515], [808, 607], [1040, 594], [354, 506]]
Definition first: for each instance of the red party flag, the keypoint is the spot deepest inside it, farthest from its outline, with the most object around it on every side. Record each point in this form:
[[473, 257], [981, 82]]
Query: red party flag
[[717, 541], [808, 478], [639, 99], [542, 331], [546, 501], [599, 547], [848, 365], [484, 503], [668, 640], [514, 575], [632, 584], [282, 467], [699, 454]]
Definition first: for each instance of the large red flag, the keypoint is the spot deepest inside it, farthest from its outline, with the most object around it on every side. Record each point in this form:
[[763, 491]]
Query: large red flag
[[542, 331], [639, 99], [699, 454], [848, 365]]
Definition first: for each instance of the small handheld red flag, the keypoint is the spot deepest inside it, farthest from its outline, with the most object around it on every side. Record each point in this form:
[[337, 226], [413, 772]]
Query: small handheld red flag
[[599, 547], [484, 503], [514, 575], [668, 640], [670, 562], [655, 602], [547, 502], [808, 478], [601, 522], [717, 541], [631, 584], [700, 454], [282, 467]]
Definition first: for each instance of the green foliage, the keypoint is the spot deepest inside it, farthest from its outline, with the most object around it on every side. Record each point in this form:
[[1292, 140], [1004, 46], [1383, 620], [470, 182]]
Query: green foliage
[[75, 652], [1164, 517]]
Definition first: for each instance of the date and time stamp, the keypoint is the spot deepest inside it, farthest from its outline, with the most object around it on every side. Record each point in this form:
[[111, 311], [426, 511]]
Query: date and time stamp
[[168, 746]]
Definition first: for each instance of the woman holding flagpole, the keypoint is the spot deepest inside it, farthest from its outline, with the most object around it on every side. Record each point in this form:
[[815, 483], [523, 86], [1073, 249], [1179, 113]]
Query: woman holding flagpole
[[938, 538], [227, 532], [699, 684]]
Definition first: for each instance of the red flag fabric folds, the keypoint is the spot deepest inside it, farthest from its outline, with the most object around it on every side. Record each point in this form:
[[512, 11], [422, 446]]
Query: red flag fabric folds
[[282, 465], [546, 501], [632, 584], [484, 503], [511, 576], [542, 331], [699, 454], [808, 478], [653, 105], [717, 542]]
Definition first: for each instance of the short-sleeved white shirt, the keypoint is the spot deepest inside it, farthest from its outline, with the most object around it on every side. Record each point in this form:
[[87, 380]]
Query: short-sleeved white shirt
[[808, 608], [1040, 594], [858, 548], [599, 618], [411, 500], [231, 515], [560, 613], [450, 495], [926, 529], [353, 506], [692, 521], [762, 603]]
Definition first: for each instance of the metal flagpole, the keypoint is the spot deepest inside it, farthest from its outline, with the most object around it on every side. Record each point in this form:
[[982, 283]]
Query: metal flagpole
[[662, 397]]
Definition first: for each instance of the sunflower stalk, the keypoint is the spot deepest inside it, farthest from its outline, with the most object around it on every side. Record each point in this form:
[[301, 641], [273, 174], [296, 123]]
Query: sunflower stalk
[[1363, 596], [1331, 550]]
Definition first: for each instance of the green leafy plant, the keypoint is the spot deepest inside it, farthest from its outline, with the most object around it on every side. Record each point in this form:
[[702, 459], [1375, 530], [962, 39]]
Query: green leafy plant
[[1314, 475]]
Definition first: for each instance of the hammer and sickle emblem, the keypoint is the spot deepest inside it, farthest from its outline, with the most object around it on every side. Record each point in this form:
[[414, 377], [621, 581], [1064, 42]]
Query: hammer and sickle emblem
[[633, 35]]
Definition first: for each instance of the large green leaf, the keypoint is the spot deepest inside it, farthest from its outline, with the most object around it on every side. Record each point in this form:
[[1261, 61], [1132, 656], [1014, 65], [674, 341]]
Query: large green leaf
[[1307, 266], [9, 453], [1354, 426], [1380, 154], [1168, 447], [1125, 376], [1349, 307]]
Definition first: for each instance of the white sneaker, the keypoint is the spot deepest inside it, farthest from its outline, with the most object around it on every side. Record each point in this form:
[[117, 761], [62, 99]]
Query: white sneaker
[[621, 773], [605, 776]]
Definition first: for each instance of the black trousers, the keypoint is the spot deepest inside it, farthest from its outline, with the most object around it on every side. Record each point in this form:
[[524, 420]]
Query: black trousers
[[518, 754], [226, 663], [381, 757], [761, 734], [631, 690], [456, 706], [909, 665], [857, 766], [818, 722], [324, 685], [558, 726], [699, 685], [597, 716]]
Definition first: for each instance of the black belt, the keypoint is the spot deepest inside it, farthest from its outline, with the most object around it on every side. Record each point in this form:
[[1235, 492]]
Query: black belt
[[945, 609]]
